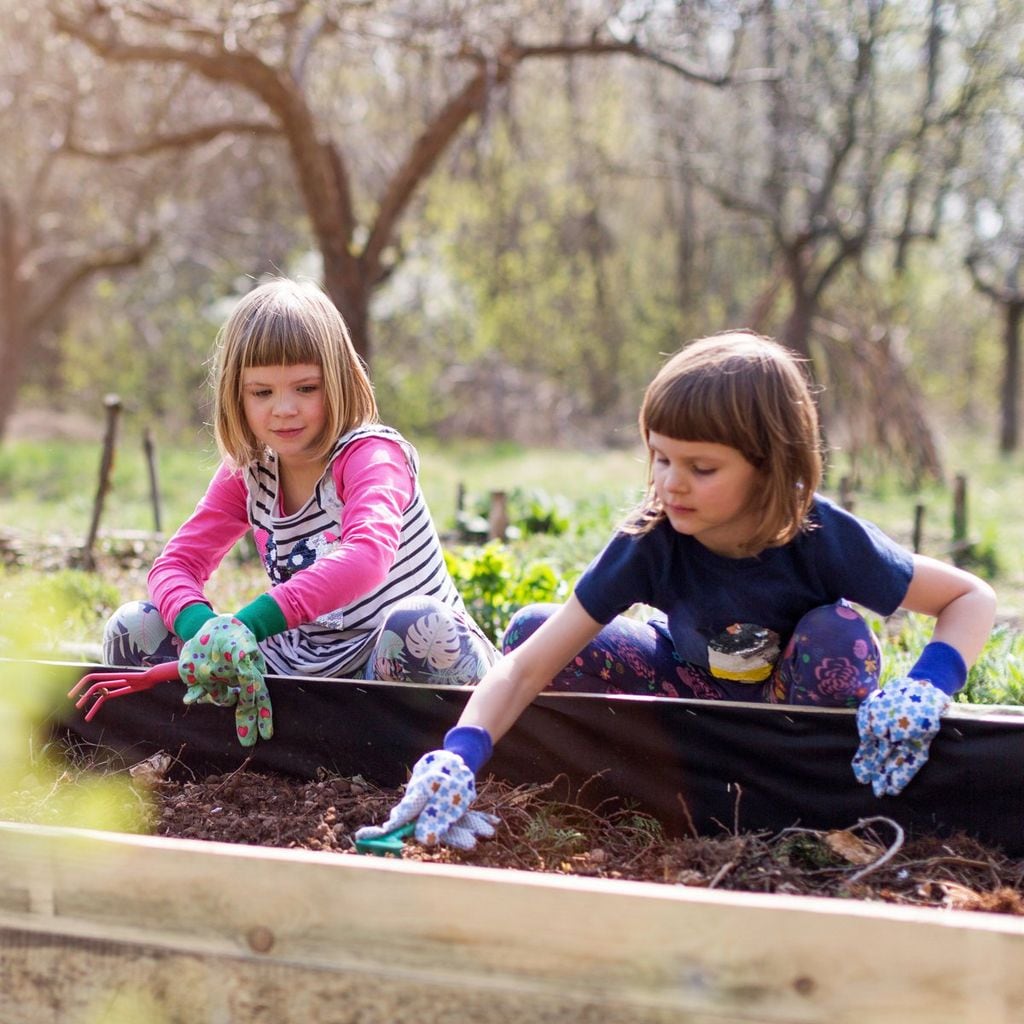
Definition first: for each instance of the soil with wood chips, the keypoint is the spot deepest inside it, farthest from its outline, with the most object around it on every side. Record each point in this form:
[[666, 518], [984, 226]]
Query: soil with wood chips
[[543, 829]]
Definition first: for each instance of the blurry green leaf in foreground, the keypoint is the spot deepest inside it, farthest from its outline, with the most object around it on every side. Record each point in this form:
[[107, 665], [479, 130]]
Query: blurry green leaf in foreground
[[36, 783], [126, 1006]]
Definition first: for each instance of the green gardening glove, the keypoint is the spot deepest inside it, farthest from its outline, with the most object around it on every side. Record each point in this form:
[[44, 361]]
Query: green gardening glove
[[223, 664]]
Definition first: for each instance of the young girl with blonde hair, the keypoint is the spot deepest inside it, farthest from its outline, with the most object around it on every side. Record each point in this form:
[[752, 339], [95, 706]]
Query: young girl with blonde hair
[[753, 577], [358, 582]]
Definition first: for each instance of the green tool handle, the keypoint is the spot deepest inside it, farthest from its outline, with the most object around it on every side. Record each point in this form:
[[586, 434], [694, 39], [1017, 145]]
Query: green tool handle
[[388, 845]]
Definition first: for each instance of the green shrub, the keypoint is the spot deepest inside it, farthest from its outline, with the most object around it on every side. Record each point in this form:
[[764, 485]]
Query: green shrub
[[494, 584]]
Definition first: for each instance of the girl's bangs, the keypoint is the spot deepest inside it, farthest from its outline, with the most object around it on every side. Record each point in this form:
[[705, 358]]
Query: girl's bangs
[[694, 414], [280, 338]]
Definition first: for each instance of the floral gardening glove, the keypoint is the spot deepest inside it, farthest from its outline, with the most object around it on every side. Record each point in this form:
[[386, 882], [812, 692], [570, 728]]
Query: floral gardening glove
[[897, 724], [223, 664], [439, 794]]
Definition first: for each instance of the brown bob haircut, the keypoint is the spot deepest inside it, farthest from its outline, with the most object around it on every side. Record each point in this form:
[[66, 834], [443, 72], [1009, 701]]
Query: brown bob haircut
[[750, 393], [288, 323]]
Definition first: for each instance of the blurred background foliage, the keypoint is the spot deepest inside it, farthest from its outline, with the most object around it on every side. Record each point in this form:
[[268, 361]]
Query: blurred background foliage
[[521, 207]]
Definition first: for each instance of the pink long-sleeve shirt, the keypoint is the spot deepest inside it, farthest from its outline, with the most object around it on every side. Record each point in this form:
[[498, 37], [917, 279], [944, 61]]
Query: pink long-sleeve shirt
[[374, 481]]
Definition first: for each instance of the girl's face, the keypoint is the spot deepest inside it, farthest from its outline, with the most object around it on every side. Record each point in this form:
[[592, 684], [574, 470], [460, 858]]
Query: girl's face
[[284, 407], [706, 491]]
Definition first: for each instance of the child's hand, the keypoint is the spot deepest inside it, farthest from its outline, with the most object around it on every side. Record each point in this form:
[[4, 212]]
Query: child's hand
[[896, 726], [438, 797], [223, 664]]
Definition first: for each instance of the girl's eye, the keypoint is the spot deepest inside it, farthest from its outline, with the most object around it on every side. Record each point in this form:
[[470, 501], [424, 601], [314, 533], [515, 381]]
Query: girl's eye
[[262, 393], [703, 470], [309, 389]]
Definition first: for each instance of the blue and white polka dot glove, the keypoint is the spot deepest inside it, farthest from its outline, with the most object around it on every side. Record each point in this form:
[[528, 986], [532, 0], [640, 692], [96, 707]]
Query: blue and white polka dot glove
[[439, 795], [896, 726], [898, 723]]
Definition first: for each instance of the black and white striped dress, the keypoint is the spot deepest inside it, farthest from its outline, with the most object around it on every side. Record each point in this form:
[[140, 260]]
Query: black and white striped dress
[[339, 643]]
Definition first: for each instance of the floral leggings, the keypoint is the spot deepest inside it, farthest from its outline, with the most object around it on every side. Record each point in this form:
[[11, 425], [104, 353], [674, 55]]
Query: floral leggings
[[422, 640], [833, 659]]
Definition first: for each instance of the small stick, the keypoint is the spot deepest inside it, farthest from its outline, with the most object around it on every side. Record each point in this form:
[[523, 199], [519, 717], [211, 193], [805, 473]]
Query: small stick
[[897, 844], [154, 485]]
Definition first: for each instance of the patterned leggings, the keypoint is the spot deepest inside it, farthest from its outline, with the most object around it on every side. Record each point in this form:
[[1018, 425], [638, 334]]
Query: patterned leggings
[[833, 659], [422, 640]]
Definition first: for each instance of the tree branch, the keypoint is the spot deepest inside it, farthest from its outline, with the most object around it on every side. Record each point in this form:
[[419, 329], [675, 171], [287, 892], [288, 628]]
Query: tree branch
[[118, 257], [178, 140], [432, 143], [1005, 295]]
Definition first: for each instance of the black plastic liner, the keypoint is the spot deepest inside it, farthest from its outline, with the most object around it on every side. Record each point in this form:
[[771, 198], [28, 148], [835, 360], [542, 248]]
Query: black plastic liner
[[707, 765]]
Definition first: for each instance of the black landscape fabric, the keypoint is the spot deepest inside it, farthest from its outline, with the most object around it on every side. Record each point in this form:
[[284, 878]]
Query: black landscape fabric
[[705, 765]]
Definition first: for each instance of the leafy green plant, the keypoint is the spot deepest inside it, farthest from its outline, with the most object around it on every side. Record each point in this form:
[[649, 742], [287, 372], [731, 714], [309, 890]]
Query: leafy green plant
[[494, 584], [551, 829], [997, 677]]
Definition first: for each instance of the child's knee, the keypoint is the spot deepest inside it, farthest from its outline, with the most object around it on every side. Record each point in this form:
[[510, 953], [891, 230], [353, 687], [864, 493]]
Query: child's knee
[[135, 635], [424, 640], [524, 623], [840, 627], [402, 614], [833, 659]]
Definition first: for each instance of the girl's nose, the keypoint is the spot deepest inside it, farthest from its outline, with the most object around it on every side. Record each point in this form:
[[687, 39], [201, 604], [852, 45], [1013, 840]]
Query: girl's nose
[[675, 481], [284, 405]]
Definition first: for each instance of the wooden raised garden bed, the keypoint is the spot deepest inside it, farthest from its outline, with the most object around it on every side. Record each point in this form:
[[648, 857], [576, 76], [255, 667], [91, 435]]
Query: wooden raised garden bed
[[210, 932]]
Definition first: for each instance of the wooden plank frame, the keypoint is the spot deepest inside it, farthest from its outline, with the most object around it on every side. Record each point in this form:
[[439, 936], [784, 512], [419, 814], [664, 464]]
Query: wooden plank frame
[[210, 933]]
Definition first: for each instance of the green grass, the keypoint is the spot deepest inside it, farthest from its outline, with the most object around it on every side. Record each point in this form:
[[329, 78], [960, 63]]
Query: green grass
[[50, 486]]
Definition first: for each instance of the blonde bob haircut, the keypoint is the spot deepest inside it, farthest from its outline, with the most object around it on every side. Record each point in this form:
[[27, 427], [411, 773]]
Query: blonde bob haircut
[[750, 393], [288, 323]]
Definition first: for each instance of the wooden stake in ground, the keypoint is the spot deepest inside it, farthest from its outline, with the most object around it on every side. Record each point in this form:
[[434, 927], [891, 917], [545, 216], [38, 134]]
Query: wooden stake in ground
[[113, 407]]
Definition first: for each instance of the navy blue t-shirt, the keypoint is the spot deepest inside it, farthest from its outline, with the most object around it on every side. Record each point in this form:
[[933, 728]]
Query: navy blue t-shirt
[[734, 615]]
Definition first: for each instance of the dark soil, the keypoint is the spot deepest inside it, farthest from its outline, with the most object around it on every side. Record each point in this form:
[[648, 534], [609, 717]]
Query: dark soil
[[541, 830]]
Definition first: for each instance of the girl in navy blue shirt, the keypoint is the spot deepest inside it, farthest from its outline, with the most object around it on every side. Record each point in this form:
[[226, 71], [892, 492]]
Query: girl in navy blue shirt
[[753, 578]]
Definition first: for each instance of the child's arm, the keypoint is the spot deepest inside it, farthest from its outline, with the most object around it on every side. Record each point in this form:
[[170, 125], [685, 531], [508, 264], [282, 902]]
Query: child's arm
[[442, 788], [512, 683], [963, 605], [180, 572], [373, 479]]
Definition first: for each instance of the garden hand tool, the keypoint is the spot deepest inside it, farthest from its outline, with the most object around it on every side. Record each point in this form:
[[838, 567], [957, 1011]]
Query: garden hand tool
[[387, 844], [104, 685], [439, 794]]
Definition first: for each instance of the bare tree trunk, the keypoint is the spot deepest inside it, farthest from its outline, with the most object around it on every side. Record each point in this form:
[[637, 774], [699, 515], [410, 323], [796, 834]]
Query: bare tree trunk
[[1010, 299], [1009, 432], [796, 332]]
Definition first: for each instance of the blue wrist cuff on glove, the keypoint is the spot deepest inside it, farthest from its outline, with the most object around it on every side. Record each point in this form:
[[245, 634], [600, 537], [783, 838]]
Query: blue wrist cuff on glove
[[943, 666], [472, 743]]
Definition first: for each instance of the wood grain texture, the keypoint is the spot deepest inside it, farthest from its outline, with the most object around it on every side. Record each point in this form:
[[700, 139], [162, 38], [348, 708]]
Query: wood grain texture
[[213, 932]]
